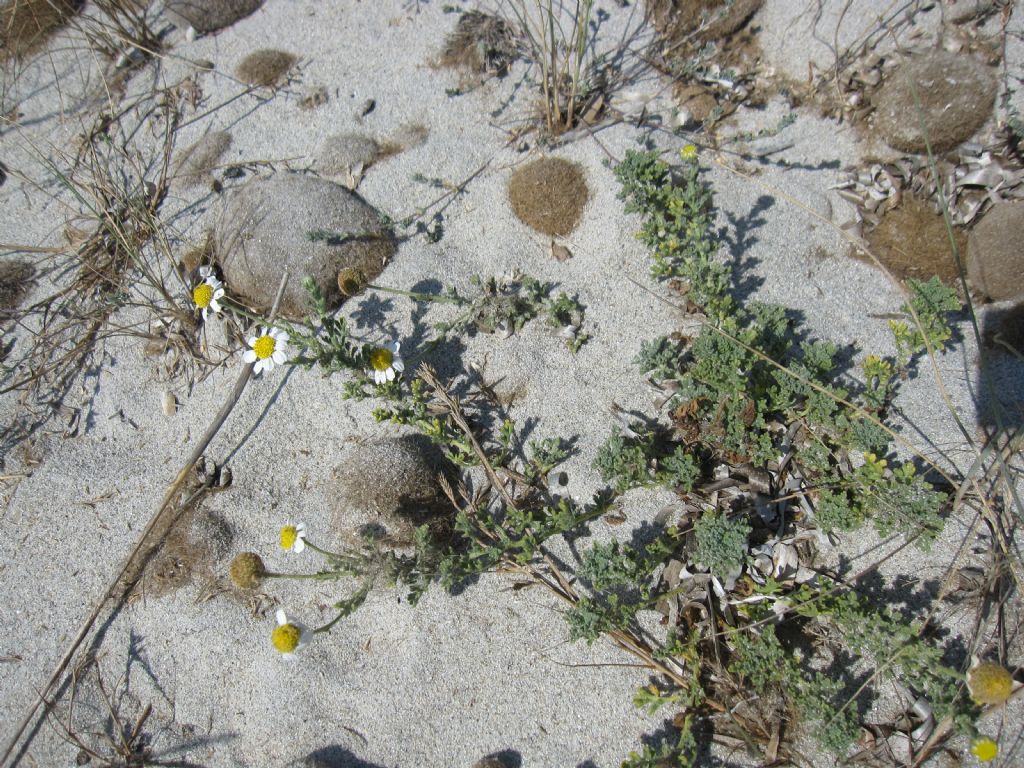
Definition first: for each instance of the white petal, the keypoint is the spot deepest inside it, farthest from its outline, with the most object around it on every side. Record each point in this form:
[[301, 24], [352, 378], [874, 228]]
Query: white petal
[[396, 346], [260, 365], [281, 616], [390, 374], [205, 271], [279, 335], [398, 364], [379, 377], [300, 528], [249, 356], [213, 306], [252, 341], [278, 357], [299, 544]]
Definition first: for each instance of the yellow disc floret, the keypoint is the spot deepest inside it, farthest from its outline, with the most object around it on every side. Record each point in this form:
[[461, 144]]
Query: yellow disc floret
[[984, 749], [286, 638], [202, 295], [689, 152], [289, 534], [264, 347], [247, 570], [381, 359], [989, 683]]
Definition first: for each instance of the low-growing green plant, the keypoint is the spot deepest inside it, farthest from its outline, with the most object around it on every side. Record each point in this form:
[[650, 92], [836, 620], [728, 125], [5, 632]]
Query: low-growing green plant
[[721, 543], [643, 459]]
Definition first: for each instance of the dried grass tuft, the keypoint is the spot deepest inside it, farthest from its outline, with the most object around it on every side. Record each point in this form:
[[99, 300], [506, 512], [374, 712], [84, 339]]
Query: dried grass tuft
[[26, 25], [480, 43], [549, 195], [265, 67]]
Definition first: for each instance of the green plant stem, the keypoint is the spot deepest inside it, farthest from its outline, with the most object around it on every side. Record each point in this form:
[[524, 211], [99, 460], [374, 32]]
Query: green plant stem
[[345, 607], [418, 296]]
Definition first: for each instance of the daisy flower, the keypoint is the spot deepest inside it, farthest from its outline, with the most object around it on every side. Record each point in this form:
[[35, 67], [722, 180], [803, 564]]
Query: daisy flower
[[288, 637], [293, 537], [268, 349], [385, 363], [206, 294]]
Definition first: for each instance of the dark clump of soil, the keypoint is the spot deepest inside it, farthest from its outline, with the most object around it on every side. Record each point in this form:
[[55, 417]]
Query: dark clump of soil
[[26, 24], [480, 43], [15, 280], [677, 20], [265, 67], [549, 195], [912, 242]]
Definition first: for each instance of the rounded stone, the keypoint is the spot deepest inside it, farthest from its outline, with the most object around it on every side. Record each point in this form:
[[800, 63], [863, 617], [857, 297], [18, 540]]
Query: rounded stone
[[956, 95], [387, 488], [995, 261], [209, 15], [307, 225]]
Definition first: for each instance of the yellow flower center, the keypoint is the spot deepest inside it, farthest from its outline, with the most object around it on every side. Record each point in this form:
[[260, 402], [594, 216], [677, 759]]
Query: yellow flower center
[[380, 359], [286, 638], [984, 749], [289, 534], [264, 347], [202, 295], [689, 152]]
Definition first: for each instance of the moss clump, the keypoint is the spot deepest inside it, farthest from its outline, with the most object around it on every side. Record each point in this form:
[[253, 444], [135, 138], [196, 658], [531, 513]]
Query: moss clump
[[25, 25], [549, 195], [265, 67]]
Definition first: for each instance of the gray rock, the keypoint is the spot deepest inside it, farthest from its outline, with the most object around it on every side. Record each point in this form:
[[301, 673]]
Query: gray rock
[[389, 487], [304, 224], [995, 261], [344, 152], [209, 15], [956, 95]]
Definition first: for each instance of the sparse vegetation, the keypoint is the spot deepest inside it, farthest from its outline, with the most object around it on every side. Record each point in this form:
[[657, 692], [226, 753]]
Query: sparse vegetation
[[765, 451]]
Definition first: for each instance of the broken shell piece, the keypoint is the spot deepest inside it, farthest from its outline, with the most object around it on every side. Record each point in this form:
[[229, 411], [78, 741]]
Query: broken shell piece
[[168, 403]]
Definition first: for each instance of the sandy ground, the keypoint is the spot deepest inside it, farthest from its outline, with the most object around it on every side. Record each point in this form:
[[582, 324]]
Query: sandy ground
[[489, 670]]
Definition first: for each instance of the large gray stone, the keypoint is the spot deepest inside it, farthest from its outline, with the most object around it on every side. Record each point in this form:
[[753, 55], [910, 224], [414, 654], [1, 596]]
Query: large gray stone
[[388, 487], [209, 15], [995, 259], [956, 94], [304, 224]]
